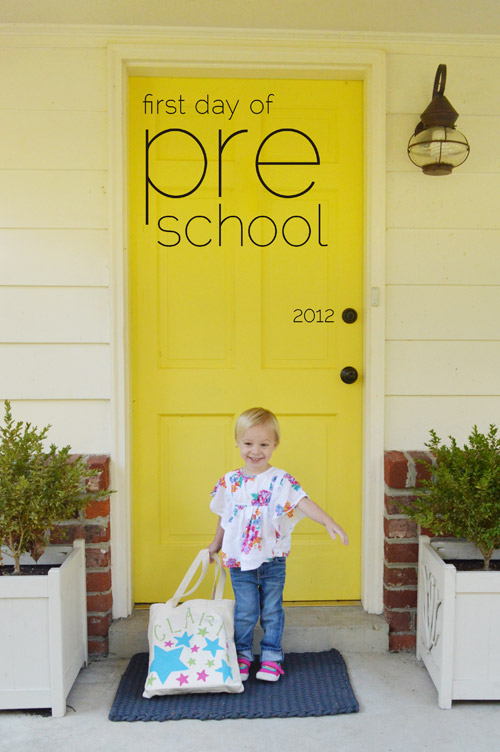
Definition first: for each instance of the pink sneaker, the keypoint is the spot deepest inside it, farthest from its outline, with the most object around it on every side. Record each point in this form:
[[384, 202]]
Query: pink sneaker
[[244, 667], [269, 671]]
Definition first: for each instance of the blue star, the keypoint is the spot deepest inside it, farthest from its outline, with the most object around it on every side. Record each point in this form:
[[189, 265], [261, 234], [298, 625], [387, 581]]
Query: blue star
[[225, 670], [166, 661], [184, 640], [212, 646]]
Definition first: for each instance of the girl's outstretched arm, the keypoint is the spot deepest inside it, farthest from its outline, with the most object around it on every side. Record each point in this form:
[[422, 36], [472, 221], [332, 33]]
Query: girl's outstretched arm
[[316, 513], [216, 544]]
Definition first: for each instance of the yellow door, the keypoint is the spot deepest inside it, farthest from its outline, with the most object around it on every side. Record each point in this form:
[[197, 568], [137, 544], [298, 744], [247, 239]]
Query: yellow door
[[245, 210]]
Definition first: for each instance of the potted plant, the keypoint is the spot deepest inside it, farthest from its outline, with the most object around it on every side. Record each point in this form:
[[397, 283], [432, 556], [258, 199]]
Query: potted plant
[[458, 609], [43, 617]]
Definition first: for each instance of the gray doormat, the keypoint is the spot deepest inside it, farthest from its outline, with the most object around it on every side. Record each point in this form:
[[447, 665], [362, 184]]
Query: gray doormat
[[314, 684]]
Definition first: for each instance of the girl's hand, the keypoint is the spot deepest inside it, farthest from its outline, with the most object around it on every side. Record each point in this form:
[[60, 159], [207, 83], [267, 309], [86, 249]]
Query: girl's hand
[[216, 545], [334, 530], [214, 548], [314, 512]]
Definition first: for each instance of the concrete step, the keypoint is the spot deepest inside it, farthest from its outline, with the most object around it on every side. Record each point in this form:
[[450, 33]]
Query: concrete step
[[307, 628]]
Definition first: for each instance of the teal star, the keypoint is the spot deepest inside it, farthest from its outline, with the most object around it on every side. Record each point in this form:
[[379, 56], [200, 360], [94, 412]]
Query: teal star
[[225, 670], [184, 640], [166, 661], [213, 646]]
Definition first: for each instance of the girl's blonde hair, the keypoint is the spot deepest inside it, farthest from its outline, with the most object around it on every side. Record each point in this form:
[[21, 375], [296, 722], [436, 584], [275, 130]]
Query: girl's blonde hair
[[256, 416]]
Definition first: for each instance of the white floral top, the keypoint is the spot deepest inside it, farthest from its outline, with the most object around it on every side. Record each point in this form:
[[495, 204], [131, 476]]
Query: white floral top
[[258, 514]]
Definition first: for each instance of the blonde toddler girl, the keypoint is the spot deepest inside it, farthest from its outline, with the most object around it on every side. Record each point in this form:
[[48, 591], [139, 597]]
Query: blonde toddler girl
[[258, 507]]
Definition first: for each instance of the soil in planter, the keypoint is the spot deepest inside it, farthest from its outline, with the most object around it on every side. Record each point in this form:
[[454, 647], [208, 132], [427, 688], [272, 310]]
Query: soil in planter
[[27, 569], [471, 565]]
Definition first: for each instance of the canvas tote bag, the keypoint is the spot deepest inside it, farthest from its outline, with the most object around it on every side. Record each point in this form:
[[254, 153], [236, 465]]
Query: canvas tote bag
[[191, 645]]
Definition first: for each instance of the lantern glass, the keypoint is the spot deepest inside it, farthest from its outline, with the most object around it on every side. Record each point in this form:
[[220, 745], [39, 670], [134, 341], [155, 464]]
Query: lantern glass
[[438, 149]]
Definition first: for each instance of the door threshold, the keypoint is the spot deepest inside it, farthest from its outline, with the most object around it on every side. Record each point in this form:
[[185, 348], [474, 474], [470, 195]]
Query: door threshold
[[318, 604], [288, 604]]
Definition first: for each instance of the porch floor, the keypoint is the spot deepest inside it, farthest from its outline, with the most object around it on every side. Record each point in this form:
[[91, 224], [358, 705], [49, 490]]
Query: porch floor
[[398, 710]]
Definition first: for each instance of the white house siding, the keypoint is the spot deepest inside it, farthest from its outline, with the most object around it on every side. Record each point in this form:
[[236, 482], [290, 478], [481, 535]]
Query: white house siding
[[443, 242], [443, 255], [54, 251]]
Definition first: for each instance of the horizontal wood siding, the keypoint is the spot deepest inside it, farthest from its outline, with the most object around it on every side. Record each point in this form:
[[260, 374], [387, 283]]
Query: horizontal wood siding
[[54, 249], [443, 257], [54, 314]]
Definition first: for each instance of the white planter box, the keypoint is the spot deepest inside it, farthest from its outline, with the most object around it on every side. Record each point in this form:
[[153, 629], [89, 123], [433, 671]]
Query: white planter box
[[458, 623], [43, 631]]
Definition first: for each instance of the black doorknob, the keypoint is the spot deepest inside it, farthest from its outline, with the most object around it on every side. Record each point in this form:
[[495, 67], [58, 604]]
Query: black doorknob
[[349, 315], [349, 375]]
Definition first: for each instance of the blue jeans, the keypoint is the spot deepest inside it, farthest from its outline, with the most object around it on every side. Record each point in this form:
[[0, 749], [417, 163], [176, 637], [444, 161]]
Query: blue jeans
[[259, 592]]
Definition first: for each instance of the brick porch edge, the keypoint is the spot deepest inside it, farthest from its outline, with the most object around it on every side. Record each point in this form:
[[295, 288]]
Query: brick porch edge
[[403, 474], [93, 524]]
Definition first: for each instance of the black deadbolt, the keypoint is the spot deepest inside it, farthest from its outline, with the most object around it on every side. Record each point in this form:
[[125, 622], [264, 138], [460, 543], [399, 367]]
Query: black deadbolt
[[349, 315], [349, 375]]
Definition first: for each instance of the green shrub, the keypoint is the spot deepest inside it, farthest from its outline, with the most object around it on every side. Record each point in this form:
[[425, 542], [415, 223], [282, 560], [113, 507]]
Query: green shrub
[[37, 488], [462, 497]]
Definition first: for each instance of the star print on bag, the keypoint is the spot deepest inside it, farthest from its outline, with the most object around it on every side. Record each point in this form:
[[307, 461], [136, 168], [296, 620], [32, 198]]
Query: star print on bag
[[225, 670], [213, 646], [165, 662]]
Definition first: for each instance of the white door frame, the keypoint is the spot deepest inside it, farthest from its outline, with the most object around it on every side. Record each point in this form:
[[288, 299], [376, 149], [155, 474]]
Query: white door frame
[[235, 53]]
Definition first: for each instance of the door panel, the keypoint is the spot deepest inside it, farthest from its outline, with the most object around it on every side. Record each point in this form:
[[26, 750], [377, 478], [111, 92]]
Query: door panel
[[236, 296]]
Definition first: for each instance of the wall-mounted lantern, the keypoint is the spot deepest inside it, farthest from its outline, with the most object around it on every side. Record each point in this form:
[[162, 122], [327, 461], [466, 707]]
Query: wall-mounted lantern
[[436, 146]]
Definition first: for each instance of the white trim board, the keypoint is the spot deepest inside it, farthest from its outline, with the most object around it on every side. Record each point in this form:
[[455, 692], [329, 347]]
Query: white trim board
[[90, 34], [207, 55]]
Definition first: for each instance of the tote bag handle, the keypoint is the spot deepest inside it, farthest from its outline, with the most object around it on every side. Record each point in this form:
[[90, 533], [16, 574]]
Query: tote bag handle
[[203, 558]]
